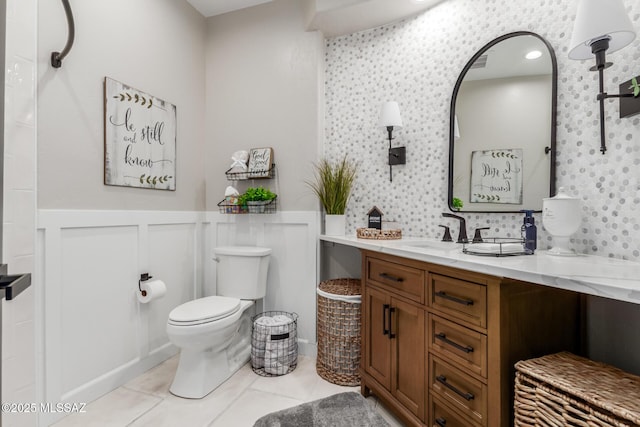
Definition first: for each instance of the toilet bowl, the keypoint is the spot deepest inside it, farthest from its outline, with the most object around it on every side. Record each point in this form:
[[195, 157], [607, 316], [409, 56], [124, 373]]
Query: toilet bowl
[[214, 332]]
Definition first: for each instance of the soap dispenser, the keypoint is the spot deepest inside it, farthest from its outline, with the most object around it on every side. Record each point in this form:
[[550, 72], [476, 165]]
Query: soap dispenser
[[529, 231]]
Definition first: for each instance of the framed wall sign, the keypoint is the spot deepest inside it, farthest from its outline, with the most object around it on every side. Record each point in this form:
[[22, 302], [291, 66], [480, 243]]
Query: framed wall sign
[[496, 176], [260, 160], [139, 138]]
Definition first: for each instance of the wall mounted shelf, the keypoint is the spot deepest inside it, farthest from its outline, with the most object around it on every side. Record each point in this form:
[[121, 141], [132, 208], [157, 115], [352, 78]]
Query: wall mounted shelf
[[269, 207], [259, 174]]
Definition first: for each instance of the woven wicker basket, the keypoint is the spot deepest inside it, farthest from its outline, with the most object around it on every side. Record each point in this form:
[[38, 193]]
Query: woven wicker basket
[[339, 332], [566, 390]]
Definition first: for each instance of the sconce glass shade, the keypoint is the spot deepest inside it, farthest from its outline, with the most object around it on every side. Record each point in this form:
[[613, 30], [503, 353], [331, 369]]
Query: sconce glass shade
[[597, 19], [390, 115]]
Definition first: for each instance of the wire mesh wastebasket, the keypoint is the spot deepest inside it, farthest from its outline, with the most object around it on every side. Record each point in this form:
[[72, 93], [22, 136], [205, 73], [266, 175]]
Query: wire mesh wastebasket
[[274, 343], [338, 329]]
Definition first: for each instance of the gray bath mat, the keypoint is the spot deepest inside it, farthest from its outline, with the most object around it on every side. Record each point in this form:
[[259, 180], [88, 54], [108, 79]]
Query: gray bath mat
[[340, 410]]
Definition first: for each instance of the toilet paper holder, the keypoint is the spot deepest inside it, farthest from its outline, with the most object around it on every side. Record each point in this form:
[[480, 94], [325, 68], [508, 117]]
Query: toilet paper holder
[[143, 278]]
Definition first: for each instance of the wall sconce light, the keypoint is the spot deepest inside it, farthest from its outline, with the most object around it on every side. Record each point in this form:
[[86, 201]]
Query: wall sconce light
[[601, 25], [390, 119]]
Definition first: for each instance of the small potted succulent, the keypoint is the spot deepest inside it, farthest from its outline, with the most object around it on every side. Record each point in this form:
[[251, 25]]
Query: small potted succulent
[[256, 198], [457, 203]]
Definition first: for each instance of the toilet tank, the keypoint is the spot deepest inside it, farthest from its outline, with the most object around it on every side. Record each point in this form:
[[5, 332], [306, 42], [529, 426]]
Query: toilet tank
[[242, 271]]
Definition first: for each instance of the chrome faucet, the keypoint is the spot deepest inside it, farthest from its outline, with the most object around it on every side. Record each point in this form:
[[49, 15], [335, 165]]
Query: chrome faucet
[[462, 234]]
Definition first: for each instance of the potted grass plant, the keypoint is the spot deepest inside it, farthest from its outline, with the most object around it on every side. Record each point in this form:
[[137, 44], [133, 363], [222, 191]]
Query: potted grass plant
[[332, 185]]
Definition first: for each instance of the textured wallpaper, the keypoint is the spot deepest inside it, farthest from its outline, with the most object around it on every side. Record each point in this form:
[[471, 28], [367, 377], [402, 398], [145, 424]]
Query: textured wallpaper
[[416, 62]]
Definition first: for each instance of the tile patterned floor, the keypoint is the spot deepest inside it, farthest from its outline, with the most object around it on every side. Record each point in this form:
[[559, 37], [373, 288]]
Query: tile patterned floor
[[240, 401]]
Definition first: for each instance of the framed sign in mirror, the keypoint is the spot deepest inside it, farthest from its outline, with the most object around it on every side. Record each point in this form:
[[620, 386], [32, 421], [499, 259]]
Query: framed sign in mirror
[[502, 132]]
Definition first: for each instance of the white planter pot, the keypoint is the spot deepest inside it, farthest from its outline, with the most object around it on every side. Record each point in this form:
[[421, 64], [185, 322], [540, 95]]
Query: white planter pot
[[334, 225]]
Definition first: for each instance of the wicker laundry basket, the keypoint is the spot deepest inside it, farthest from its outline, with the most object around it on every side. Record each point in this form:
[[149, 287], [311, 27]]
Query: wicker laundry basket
[[567, 390], [338, 327]]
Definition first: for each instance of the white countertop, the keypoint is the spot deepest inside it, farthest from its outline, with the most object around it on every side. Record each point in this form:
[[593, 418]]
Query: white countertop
[[593, 275]]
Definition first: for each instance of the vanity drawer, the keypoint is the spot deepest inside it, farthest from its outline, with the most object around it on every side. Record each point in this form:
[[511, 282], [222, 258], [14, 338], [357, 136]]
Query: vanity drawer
[[401, 279], [440, 415], [462, 346], [463, 300], [463, 392]]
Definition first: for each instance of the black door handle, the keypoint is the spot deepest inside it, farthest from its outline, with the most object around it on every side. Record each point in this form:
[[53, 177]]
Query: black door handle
[[385, 309], [391, 311], [441, 422]]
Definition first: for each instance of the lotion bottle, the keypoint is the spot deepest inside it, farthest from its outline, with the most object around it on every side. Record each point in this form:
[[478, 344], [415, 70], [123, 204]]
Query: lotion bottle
[[529, 231]]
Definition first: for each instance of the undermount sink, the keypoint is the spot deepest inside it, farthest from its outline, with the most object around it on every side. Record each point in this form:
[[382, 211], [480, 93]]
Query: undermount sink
[[434, 244]]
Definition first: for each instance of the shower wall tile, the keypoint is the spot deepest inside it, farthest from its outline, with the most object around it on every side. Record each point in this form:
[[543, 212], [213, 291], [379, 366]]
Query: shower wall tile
[[20, 75], [416, 62], [18, 316]]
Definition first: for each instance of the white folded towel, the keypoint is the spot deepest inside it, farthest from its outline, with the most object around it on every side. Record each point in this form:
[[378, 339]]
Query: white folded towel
[[231, 191], [240, 159], [265, 321], [496, 248], [281, 319], [280, 351], [261, 331]]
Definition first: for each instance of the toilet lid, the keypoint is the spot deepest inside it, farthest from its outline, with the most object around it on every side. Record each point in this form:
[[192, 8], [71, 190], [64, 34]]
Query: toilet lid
[[242, 251], [204, 310]]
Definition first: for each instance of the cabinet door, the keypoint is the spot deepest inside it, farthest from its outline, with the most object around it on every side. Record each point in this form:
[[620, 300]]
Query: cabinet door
[[377, 345], [408, 356]]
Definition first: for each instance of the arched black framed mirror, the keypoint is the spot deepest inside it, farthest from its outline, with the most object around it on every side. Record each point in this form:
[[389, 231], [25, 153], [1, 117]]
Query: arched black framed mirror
[[502, 132]]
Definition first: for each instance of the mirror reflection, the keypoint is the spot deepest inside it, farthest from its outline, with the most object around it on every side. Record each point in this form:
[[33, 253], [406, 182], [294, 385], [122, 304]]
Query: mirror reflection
[[502, 130]]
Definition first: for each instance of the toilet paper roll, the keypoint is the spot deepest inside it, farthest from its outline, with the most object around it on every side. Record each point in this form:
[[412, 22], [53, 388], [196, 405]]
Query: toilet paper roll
[[152, 289]]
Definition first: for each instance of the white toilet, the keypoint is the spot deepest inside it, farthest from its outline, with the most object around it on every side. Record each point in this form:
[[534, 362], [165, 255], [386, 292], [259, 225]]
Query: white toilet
[[214, 332]]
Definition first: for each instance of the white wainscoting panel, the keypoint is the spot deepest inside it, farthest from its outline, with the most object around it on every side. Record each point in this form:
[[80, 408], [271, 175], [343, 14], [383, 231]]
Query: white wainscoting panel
[[94, 333], [292, 279], [172, 258], [97, 302]]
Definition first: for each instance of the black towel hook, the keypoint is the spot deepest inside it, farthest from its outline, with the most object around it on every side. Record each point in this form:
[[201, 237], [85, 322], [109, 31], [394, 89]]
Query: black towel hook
[[57, 57]]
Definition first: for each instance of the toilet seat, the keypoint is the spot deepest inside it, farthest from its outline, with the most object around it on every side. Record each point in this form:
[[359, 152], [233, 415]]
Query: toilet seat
[[204, 310]]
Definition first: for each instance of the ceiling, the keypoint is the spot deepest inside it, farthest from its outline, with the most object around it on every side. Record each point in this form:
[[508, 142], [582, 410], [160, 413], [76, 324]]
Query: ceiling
[[507, 59], [218, 7], [332, 17]]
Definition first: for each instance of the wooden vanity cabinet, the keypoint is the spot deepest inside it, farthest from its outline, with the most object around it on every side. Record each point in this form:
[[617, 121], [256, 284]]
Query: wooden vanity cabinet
[[394, 327], [439, 344]]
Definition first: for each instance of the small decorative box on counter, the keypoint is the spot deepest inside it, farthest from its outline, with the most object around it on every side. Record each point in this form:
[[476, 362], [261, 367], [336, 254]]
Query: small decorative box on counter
[[375, 234]]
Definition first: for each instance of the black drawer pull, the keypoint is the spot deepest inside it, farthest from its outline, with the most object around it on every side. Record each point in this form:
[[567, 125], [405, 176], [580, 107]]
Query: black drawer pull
[[462, 301], [443, 337], [392, 278], [441, 422], [443, 380], [385, 331]]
